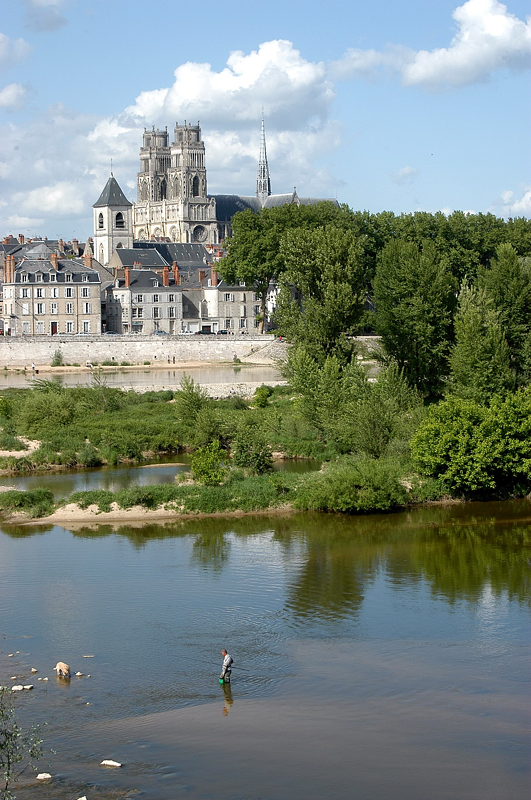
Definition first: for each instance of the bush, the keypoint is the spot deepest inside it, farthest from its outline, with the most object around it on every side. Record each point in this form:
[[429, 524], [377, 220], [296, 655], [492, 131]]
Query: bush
[[353, 485], [209, 464], [57, 360], [88, 456], [250, 451], [478, 451], [189, 400], [262, 395], [36, 503]]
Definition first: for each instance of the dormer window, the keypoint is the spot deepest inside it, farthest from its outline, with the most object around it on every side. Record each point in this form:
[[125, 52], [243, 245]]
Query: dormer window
[[24, 277], [68, 277], [52, 277], [84, 278], [38, 277], [100, 221], [155, 283]]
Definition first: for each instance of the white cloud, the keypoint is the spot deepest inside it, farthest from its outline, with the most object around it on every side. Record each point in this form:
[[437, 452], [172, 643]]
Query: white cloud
[[404, 175], [12, 97], [12, 51], [488, 39], [511, 206], [63, 197], [44, 15]]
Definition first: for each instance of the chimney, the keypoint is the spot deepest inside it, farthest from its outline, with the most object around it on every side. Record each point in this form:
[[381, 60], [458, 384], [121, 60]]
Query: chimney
[[61, 246], [75, 247], [12, 269], [87, 260], [175, 268], [53, 259], [21, 239], [127, 274], [166, 275], [215, 279]]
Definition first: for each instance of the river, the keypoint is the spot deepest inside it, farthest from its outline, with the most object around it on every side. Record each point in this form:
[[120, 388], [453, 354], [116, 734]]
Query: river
[[375, 657]]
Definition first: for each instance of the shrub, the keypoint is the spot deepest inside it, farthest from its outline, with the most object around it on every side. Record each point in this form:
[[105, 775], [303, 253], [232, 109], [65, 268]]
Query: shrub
[[209, 464], [10, 442], [57, 360], [250, 451], [36, 503], [88, 456], [189, 400], [262, 395], [353, 485]]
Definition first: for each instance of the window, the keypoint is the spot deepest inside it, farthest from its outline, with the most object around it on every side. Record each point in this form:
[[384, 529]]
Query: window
[[171, 298], [155, 283], [84, 278], [40, 308], [140, 312], [228, 323], [54, 291], [156, 298], [53, 308], [100, 221], [25, 328], [87, 308], [139, 298], [256, 297], [40, 292], [256, 310], [85, 291], [25, 309], [25, 292], [228, 297], [171, 312], [24, 278], [38, 277], [119, 220], [137, 313], [70, 327], [156, 310], [243, 297], [69, 291], [69, 308], [125, 312], [52, 277], [243, 323], [86, 327], [40, 327], [257, 323], [68, 277]]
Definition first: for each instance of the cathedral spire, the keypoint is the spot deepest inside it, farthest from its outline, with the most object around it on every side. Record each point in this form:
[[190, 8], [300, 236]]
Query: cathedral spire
[[263, 181]]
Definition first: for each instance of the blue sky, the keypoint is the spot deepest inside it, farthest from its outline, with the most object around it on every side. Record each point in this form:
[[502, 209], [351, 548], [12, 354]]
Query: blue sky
[[386, 106]]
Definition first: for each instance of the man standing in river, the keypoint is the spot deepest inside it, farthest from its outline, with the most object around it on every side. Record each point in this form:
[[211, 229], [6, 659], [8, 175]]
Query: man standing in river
[[226, 668]]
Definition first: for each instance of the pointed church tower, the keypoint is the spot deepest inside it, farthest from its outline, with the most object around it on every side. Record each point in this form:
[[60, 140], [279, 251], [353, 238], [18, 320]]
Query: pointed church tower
[[113, 222], [263, 181]]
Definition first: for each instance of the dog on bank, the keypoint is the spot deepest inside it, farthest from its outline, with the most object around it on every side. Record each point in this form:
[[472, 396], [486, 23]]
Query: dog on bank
[[62, 669]]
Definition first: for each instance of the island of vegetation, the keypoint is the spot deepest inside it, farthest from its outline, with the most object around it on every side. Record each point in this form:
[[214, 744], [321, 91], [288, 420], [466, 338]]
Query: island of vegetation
[[447, 416]]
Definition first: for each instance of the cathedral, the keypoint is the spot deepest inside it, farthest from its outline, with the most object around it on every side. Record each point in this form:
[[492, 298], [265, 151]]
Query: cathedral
[[173, 203]]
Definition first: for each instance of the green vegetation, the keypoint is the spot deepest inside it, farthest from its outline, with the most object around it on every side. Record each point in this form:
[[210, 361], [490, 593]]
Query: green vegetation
[[19, 749], [57, 360], [36, 503]]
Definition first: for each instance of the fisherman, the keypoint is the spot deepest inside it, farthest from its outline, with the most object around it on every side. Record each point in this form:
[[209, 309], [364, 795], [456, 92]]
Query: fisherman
[[226, 668]]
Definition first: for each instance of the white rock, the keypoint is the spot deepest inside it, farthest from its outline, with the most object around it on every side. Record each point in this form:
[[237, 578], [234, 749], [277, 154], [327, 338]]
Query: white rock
[[29, 686], [17, 688], [43, 776], [13, 677], [34, 670], [45, 679], [39, 679], [109, 763], [11, 655], [79, 674], [82, 798], [88, 656]]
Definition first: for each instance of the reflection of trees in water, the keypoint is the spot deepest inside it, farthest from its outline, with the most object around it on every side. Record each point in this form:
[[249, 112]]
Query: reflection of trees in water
[[211, 550]]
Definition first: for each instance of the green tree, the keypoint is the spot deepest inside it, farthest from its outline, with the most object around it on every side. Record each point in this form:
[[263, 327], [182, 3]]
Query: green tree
[[209, 464], [414, 295], [507, 282], [479, 361], [19, 749], [322, 293]]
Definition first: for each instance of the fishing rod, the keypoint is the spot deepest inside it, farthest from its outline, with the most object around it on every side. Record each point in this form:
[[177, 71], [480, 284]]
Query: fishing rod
[[211, 664]]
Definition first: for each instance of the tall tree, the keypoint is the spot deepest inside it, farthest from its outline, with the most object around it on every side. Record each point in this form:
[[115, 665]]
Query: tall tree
[[322, 293], [414, 294], [479, 362], [508, 283]]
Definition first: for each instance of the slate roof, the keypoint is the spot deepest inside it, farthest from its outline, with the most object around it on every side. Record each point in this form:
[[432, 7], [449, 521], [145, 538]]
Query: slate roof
[[187, 256], [227, 205], [148, 258], [112, 195], [143, 279], [74, 266]]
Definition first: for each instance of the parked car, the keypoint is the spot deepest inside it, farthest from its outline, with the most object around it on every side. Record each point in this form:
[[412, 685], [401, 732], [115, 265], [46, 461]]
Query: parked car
[[223, 333], [160, 333], [203, 333], [111, 333]]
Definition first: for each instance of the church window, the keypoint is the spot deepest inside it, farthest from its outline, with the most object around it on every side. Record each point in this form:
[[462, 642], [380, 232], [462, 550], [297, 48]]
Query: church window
[[119, 220], [100, 221], [195, 187], [162, 189]]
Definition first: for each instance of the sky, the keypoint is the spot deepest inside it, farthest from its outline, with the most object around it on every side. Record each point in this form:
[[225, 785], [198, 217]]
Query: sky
[[410, 106]]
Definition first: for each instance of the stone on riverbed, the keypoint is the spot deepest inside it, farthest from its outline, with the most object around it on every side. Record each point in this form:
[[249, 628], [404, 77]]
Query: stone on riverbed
[[110, 763], [43, 776], [17, 688]]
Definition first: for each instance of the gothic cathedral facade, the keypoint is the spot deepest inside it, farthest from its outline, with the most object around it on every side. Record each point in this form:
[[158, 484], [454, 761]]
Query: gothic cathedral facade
[[172, 200]]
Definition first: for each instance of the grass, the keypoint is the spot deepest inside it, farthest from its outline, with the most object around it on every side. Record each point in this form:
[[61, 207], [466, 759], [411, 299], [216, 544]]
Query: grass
[[35, 503]]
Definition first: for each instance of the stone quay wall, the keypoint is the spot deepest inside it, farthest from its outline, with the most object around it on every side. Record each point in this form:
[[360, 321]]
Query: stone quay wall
[[39, 350]]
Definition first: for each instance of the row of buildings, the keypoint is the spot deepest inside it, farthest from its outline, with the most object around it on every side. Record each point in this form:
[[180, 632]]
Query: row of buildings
[[151, 266]]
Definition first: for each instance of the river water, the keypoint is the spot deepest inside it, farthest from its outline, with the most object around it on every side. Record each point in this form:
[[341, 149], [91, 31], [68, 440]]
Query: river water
[[375, 657]]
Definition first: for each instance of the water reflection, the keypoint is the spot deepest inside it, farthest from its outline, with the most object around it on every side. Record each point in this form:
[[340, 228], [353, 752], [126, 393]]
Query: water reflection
[[211, 550], [228, 699]]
